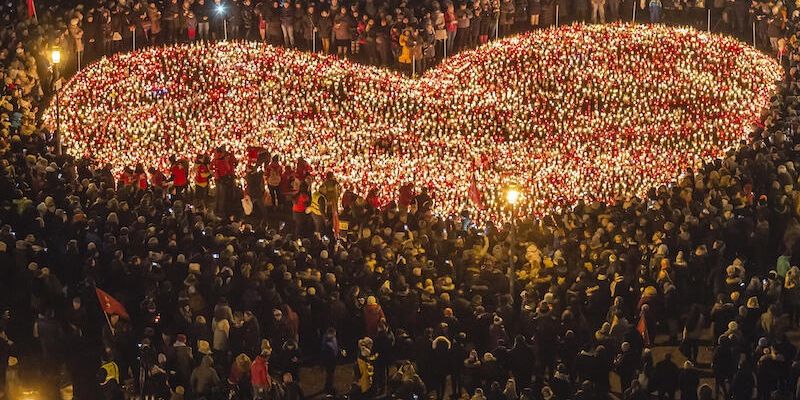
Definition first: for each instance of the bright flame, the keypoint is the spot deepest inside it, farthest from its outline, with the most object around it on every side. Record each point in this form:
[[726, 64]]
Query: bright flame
[[512, 196]]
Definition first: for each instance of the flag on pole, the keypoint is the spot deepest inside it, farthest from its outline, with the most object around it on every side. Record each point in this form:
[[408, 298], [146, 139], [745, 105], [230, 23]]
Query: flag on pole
[[642, 328], [475, 195], [110, 305], [31, 9], [336, 226]]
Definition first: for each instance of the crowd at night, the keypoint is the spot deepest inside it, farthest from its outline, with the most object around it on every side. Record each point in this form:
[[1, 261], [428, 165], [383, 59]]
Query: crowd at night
[[582, 212]]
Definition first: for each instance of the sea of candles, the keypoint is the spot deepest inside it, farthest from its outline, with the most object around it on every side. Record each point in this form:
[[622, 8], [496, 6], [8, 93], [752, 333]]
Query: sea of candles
[[576, 112]]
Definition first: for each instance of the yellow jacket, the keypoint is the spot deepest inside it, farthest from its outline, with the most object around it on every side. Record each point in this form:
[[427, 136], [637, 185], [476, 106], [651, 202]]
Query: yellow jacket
[[316, 206], [405, 50], [365, 372]]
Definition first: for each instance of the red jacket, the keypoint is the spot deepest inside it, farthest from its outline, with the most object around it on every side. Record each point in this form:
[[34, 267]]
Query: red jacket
[[406, 195], [179, 174], [141, 180], [301, 203], [201, 177], [450, 21], [158, 179], [372, 315], [302, 169], [287, 178], [374, 201], [223, 165], [259, 372], [126, 179]]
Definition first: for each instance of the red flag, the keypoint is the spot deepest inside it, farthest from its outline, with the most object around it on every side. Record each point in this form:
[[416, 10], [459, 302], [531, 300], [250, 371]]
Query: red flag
[[336, 227], [110, 305], [642, 328], [475, 195], [31, 9]]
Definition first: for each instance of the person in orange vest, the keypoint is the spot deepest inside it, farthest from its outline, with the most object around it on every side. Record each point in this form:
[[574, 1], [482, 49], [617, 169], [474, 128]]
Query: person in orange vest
[[202, 175]]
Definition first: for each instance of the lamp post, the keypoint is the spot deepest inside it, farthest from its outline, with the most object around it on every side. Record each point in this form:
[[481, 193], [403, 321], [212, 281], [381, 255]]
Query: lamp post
[[221, 11], [55, 59], [513, 195]]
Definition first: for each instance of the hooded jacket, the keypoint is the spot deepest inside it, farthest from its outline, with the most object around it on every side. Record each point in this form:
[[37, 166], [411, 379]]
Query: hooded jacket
[[204, 377]]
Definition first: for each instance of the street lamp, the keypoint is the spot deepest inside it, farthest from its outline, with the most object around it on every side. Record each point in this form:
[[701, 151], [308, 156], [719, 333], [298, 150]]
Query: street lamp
[[513, 195], [55, 59], [221, 11], [55, 56]]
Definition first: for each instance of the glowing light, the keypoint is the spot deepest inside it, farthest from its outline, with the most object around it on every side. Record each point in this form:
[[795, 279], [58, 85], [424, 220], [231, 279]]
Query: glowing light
[[512, 195], [55, 56], [579, 112]]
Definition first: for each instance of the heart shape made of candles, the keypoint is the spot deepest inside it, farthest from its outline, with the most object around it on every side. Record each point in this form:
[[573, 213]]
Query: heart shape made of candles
[[591, 112]]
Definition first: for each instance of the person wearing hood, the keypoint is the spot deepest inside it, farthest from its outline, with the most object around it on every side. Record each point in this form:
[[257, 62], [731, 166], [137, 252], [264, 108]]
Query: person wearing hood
[[204, 379], [182, 360]]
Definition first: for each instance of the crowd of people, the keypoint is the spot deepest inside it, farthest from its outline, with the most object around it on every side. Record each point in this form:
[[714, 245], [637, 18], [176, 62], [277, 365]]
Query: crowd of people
[[396, 34], [224, 298]]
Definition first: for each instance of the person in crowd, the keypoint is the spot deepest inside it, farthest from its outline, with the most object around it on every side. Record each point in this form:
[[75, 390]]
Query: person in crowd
[[287, 16], [343, 31], [202, 15], [325, 30], [598, 11], [171, 18]]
